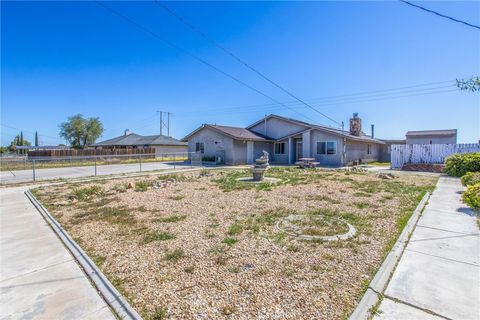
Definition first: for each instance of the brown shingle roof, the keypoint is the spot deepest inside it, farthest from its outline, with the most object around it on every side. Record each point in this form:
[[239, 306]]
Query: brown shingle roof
[[238, 133]]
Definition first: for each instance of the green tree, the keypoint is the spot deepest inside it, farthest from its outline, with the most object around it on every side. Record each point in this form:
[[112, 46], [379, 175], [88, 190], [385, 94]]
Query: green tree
[[18, 141], [472, 84], [36, 139], [80, 131]]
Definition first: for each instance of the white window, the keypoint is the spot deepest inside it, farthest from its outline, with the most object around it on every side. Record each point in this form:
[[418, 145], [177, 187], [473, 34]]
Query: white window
[[327, 147], [199, 147], [369, 148], [279, 147]]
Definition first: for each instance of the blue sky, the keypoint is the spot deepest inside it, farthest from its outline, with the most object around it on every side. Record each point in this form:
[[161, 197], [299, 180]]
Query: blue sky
[[63, 58]]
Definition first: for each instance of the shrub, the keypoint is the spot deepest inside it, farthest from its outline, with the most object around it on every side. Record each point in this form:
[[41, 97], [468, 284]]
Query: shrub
[[472, 196], [458, 165], [471, 178], [83, 194], [142, 185], [208, 158]]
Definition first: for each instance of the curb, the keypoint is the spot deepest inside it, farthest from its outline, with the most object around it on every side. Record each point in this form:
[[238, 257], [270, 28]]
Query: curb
[[112, 297], [380, 281]]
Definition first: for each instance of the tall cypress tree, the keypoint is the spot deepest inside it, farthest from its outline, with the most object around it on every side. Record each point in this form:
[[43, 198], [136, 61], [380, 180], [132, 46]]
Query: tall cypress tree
[[21, 141], [36, 139]]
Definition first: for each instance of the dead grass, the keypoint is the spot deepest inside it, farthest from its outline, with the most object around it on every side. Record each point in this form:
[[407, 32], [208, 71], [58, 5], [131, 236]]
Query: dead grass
[[208, 246]]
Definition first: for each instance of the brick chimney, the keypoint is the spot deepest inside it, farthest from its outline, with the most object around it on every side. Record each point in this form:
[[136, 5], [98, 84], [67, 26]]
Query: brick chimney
[[355, 125]]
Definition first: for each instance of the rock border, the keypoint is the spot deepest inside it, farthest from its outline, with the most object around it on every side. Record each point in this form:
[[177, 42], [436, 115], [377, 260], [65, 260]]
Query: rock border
[[378, 285], [115, 300], [349, 234]]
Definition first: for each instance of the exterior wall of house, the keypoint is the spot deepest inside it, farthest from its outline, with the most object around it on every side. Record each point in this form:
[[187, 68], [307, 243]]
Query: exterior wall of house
[[357, 151], [385, 152], [239, 152], [170, 149], [281, 158], [277, 128], [434, 140], [215, 144], [327, 159], [258, 148]]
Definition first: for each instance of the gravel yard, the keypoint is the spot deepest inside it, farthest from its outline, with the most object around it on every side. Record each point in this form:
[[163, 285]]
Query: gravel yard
[[205, 246]]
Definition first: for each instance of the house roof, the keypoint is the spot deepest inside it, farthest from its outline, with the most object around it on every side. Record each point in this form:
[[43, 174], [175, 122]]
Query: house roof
[[332, 130], [233, 132], [134, 139], [421, 133], [394, 141]]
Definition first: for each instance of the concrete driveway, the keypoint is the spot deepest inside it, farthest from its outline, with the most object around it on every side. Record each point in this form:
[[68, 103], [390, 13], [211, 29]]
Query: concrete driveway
[[9, 177], [438, 276], [39, 278]]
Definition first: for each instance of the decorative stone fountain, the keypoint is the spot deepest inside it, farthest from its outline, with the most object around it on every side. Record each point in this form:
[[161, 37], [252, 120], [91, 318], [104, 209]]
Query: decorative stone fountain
[[260, 166], [258, 170]]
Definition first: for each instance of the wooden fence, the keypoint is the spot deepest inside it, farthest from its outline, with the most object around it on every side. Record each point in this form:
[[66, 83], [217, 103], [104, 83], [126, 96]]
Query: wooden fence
[[88, 152], [427, 153]]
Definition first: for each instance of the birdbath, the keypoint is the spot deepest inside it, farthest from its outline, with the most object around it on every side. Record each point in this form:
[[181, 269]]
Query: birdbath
[[260, 166]]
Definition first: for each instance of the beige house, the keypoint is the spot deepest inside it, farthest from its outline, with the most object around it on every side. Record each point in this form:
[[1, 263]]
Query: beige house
[[286, 140], [130, 140]]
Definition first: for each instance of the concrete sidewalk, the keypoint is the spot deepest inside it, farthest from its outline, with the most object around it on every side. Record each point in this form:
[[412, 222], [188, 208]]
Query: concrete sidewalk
[[39, 278], [438, 276]]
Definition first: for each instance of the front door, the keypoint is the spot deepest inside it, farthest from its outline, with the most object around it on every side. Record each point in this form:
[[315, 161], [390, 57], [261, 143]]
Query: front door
[[299, 150]]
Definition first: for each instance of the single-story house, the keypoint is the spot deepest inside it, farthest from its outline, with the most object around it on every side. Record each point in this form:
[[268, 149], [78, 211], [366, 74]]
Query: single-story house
[[161, 143], [286, 140], [448, 136]]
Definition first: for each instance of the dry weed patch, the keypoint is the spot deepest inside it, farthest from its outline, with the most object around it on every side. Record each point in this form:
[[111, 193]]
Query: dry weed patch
[[204, 245]]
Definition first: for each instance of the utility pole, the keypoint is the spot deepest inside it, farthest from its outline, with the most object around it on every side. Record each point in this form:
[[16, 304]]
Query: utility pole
[[163, 123], [168, 124]]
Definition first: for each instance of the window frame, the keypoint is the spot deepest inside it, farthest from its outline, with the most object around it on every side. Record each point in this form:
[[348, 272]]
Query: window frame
[[326, 151], [284, 148], [200, 147], [369, 148]]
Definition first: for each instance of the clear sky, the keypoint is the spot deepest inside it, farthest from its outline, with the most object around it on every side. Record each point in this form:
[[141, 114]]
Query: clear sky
[[63, 58]]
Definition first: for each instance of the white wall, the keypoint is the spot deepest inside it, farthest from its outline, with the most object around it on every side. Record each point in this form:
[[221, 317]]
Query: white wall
[[433, 139]]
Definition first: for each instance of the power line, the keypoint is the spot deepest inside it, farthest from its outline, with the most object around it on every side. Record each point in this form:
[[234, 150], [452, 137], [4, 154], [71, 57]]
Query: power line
[[329, 100], [28, 131], [440, 15], [241, 61], [171, 44], [272, 107]]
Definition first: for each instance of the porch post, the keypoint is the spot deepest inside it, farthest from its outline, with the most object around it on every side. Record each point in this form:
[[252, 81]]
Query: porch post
[[291, 150]]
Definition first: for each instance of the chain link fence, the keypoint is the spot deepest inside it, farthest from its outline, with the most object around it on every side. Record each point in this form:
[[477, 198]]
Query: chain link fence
[[16, 169]]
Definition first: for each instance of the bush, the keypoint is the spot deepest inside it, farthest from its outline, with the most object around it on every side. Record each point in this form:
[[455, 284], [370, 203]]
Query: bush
[[142, 185], [83, 194], [208, 158], [458, 165], [472, 196], [471, 178]]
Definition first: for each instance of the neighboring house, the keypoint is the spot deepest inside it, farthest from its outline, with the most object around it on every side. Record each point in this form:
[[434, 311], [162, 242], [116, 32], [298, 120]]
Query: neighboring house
[[286, 140], [162, 144], [448, 136]]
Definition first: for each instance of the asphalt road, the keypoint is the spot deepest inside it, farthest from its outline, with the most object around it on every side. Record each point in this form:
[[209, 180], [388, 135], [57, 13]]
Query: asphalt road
[[17, 176]]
